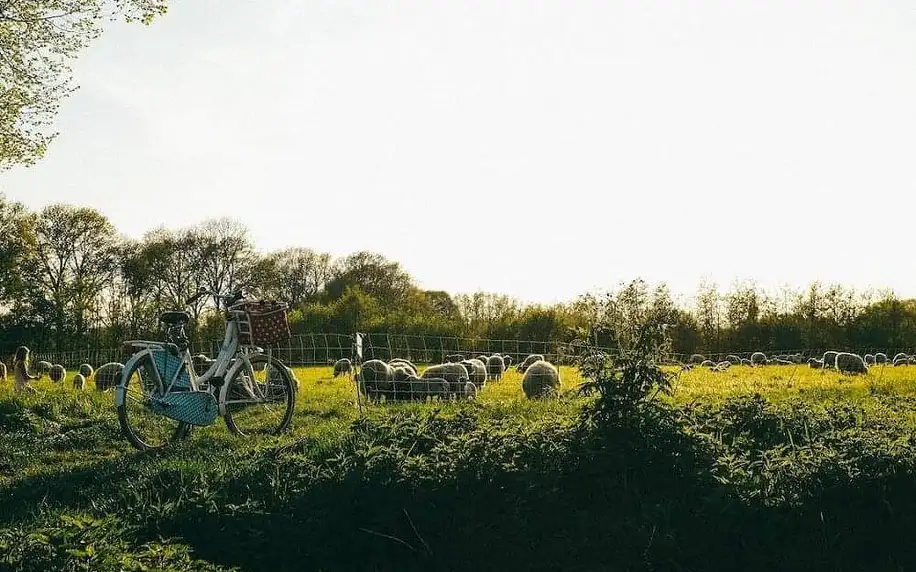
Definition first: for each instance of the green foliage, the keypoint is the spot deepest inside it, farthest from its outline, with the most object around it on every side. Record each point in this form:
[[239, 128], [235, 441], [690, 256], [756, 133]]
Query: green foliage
[[776, 481], [38, 39]]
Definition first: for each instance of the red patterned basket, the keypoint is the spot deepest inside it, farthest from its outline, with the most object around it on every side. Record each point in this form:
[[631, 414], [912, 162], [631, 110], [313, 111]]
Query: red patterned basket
[[267, 323]]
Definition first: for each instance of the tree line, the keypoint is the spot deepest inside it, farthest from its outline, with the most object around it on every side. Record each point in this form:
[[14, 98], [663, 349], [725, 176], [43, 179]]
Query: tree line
[[70, 281]]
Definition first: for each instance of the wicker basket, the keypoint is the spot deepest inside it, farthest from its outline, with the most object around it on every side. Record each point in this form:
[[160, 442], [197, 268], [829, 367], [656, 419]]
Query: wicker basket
[[266, 324]]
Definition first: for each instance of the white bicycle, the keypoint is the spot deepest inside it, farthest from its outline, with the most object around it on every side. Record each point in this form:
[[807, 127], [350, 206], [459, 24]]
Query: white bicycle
[[160, 397]]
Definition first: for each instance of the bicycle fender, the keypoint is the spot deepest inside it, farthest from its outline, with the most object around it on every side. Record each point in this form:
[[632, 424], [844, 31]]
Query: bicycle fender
[[120, 391]]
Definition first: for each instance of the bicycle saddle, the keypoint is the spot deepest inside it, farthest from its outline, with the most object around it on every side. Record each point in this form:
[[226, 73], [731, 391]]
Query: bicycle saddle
[[174, 318]]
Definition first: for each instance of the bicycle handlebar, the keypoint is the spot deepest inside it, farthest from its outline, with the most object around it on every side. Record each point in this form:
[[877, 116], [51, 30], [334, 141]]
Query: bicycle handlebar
[[201, 292], [226, 298]]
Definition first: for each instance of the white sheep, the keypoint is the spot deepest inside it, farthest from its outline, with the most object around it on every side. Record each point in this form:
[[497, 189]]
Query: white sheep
[[540, 380], [342, 367], [880, 358], [450, 372], [523, 367], [815, 363], [375, 377], [496, 366], [850, 363], [79, 382], [107, 376], [869, 359], [758, 358], [477, 371], [829, 359], [57, 373], [86, 370]]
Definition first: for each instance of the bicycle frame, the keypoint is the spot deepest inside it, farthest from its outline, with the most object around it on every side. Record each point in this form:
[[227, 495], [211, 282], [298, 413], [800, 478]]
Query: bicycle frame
[[223, 367]]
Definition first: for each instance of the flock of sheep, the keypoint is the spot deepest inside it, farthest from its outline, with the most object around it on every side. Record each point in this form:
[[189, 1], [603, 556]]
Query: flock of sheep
[[844, 362], [106, 377], [458, 378]]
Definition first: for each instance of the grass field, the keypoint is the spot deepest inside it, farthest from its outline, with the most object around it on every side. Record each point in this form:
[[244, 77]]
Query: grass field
[[779, 467]]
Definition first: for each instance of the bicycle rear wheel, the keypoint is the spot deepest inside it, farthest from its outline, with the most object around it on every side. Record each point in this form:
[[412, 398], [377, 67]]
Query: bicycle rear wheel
[[260, 399], [145, 429]]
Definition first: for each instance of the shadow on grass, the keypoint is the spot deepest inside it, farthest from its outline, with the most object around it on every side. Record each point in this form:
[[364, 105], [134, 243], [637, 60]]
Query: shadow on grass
[[624, 498]]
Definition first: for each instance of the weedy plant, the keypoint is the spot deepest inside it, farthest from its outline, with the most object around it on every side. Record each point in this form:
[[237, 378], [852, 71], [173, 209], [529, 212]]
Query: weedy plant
[[628, 380]]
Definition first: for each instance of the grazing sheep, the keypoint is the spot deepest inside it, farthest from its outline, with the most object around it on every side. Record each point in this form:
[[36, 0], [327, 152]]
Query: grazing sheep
[[900, 356], [79, 382], [463, 390], [405, 368], [901, 361], [343, 367], [507, 359], [523, 367], [450, 372], [880, 358], [477, 371], [540, 380], [375, 377], [402, 373], [401, 362], [107, 376], [686, 366], [796, 358], [721, 366], [745, 361], [758, 358], [733, 359], [869, 359], [57, 373], [697, 359], [496, 366], [779, 361], [86, 370], [43, 367], [707, 363], [430, 387], [454, 358], [850, 363], [829, 359], [815, 363]]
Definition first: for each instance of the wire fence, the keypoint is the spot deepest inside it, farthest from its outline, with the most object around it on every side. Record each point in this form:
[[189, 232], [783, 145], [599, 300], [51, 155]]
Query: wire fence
[[322, 349]]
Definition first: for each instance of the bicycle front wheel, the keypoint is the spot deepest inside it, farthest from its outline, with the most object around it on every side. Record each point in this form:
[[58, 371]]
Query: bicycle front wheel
[[261, 397], [144, 428]]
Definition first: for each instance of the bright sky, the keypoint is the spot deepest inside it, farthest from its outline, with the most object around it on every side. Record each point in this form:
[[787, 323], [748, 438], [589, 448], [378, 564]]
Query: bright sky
[[531, 147]]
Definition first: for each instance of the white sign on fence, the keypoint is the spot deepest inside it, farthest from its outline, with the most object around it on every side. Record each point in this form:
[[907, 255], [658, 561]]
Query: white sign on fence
[[359, 346]]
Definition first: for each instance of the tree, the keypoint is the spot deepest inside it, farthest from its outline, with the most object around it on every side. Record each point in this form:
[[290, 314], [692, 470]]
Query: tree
[[71, 258], [167, 268], [38, 39], [709, 314], [294, 275], [381, 279], [13, 230], [225, 253]]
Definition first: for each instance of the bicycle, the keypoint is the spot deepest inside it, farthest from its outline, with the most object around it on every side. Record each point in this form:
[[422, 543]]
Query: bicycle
[[160, 397]]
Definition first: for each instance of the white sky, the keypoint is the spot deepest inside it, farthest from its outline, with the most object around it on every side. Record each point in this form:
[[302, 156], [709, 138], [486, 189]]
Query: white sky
[[536, 148]]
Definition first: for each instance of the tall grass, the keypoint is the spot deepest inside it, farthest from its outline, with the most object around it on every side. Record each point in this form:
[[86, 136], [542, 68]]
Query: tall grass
[[756, 469]]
